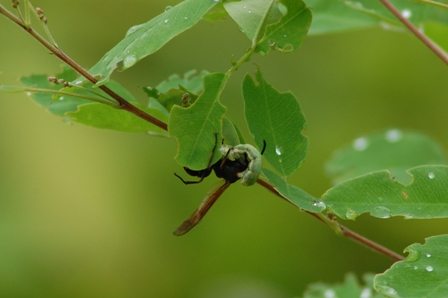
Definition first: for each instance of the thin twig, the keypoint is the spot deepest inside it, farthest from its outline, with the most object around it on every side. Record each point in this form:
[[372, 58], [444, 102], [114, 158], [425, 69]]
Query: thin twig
[[124, 104], [431, 45], [346, 231]]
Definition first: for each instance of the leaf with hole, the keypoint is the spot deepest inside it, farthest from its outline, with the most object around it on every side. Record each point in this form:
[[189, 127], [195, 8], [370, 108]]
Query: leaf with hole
[[194, 127], [278, 119], [383, 196]]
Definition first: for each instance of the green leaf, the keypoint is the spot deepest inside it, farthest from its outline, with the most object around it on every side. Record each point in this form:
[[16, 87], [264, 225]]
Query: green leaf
[[171, 91], [230, 133], [253, 16], [290, 32], [334, 16], [86, 111], [63, 104], [106, 117], [276, 118], [394, 150], [383, 196], [191, 80], [194, 127], [422, 274], [293, 194], [145, 39], [350, 288]]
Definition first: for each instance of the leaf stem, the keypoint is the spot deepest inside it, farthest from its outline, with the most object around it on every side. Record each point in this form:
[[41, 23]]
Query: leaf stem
[[64, 93], [431, 45], [437, 4], [345, 231], [123, 104]]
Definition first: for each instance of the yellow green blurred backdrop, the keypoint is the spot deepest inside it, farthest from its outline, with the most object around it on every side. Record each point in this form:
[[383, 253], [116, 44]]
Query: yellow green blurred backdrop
[[90, 213]]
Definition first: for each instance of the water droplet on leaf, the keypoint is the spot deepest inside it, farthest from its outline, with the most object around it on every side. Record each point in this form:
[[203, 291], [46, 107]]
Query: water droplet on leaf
[[351, 214], [429, 268], [431, 175], [168, 8], [279, 150], [428, 255], [320, 204], [329, 294], [381, 212], [360, 144], [366, 293], [413, 255], [406, 13], [393, 135], [129, 61], [166, 21]]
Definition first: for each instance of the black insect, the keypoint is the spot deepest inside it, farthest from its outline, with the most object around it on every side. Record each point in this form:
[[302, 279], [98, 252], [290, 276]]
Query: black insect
[[223, 168]]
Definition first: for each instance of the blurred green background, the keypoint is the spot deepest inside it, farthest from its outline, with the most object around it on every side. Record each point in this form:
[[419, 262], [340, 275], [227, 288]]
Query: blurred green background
[[90, 213]]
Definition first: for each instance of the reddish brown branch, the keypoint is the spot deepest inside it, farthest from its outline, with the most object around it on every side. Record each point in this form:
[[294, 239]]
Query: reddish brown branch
[[123, 104], [431, 45], [346, 231]]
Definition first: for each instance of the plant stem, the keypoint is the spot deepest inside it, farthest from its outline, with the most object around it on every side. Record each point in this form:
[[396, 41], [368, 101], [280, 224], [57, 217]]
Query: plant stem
[[437, 4], [124, 104], [345, 231], [431, 45]]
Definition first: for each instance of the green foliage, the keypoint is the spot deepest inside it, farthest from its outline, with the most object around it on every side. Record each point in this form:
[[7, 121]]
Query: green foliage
[[422, 274], [145, 39], [383, 196], [276, 118], [394, 150], [385, 174], [350, 288], [103, 116], [342, 15], [194, 127]]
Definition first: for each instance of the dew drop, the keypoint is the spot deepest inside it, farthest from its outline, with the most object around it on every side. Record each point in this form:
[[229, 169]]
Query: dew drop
[[360, 144], [329, 294], [166, 21], [29, 93], [431, 175], [409, 216], [366, 293], [168, 8], [216, 1], [61, 98], [381, 212], [320, 204], [429, 268], [394, 135], [406, 13], [133, 29], [413, 255], [78, 82], [390, 291], [351, 214], [428, 255], [129, 61], [279, 150], [271, 43], [415, 267], [185, 18]]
